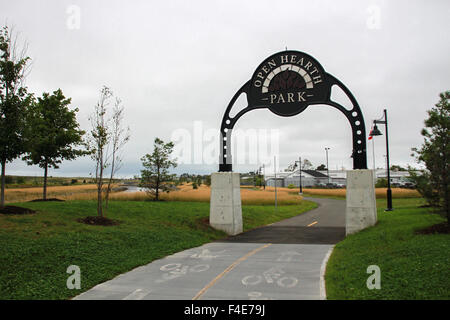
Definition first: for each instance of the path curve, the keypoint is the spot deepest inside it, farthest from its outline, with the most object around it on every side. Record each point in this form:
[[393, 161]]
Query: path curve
[[284, 260]]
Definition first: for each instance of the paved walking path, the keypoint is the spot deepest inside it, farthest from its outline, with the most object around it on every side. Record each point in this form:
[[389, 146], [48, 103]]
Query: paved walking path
[[284, 260]]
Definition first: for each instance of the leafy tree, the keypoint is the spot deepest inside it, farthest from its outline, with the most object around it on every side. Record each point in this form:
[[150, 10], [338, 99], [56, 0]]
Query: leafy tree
[[52, 133], [290, 167], [258, 181], [20, 180], [208, 180], [9, 180], [184, 177], [424, 187], [381, 183], [322, 167], [306, 165], [435, 154], [155, 177], [14, 100], [395, 167], [199, 180]]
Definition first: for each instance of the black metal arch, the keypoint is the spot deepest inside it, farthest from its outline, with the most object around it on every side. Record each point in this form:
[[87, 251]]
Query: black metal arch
[[354, 116]]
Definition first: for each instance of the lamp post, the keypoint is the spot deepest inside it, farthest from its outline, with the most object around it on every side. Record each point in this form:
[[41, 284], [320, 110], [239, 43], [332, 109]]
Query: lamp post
[[377, 132], [300, 191], [328, 171]]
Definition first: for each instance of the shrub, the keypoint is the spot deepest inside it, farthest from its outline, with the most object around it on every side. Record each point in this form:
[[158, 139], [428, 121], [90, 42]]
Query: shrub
[[381, 183], [9, 180], [208, 180], [20, 180]]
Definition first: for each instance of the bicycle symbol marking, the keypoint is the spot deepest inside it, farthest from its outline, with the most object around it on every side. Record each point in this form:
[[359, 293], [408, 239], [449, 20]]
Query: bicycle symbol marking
[[204, 254], [176, 270], [255, 295], [271, 276]]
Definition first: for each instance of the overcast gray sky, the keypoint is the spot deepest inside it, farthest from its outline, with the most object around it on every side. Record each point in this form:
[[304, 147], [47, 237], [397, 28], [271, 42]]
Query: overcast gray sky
[[176, 62]]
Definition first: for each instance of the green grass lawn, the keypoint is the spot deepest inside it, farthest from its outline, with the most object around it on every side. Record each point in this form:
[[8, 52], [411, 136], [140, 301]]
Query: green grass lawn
[[36, 249], [412, 266]]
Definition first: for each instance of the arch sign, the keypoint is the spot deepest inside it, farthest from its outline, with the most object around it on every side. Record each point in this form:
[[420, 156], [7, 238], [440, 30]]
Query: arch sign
[[286, 83]]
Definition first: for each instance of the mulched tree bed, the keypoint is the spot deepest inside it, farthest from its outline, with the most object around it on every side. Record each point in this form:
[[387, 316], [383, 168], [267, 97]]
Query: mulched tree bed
[[16, 210], [437, 228], [49, 199], [99, 221]]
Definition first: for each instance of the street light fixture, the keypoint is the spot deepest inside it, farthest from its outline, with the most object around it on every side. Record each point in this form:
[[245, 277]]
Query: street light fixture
[[328, 171], [377, 132]]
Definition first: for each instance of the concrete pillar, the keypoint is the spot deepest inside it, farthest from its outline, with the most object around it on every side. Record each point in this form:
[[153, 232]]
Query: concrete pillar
[[225, 204], [361, 207]]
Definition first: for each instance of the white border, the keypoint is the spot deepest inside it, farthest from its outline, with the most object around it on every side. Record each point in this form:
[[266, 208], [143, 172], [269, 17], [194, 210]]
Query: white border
[[323, 268]]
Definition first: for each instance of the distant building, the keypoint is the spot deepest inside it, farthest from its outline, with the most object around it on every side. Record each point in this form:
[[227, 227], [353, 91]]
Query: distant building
[[247, 180], [309, 178], [312, 178], [398, 178]]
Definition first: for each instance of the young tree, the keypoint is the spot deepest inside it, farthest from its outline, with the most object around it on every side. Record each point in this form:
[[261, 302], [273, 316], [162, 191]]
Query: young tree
[[52, 133], [155, 177], [119, 137], [98, 142], [106, 141], [14, 100], [435, 154]]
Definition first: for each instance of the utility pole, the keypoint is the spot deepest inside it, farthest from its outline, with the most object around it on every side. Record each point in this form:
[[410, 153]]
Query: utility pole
[[328, 170], [389, 191], [264, 176], [300, 174], [275, 171]]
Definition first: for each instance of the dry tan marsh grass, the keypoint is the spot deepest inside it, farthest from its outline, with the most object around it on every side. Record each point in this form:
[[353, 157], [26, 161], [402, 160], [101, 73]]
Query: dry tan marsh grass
[[77, 192], [379, 192], [250, 196], [202, 194]]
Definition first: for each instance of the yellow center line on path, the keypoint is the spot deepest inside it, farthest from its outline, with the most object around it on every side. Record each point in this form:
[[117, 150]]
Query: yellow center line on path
[[231, 267], [311, 224]]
